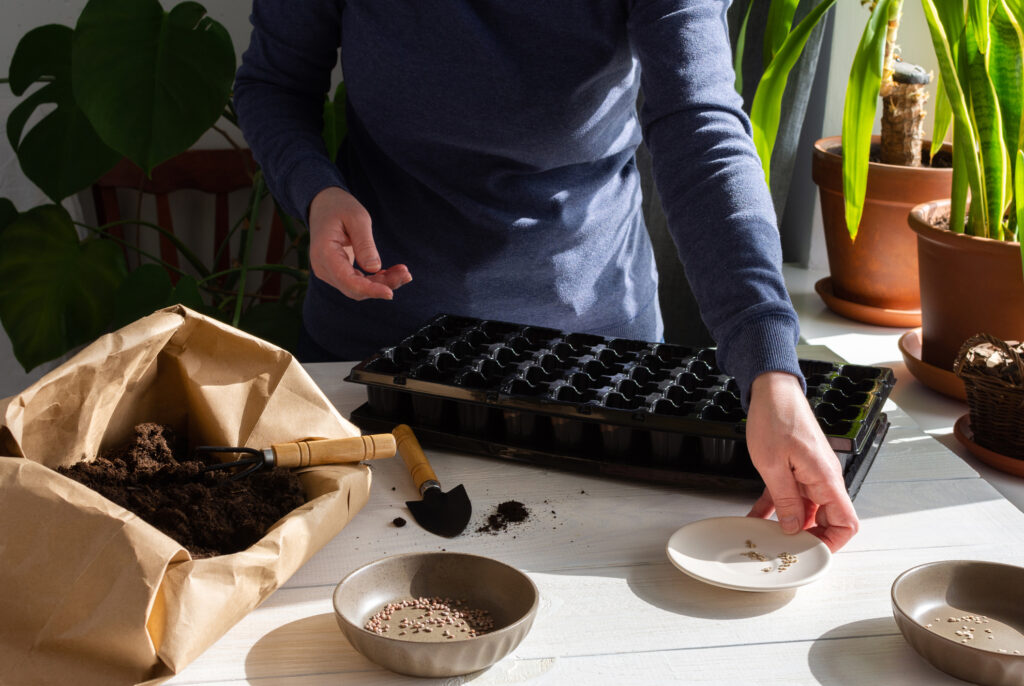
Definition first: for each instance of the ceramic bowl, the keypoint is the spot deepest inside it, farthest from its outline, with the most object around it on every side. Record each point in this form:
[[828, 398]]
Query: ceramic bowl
[[984, 644], [481, 583]]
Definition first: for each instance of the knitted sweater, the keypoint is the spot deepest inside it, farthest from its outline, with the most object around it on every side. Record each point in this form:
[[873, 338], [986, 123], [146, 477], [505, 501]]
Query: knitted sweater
[[492, 143]]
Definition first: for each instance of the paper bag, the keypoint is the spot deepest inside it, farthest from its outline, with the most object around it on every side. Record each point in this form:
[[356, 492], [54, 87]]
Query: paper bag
[[91, 594]]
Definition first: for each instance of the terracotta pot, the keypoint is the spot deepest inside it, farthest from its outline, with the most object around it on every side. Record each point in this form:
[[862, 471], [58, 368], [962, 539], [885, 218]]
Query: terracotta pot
[[969, 285], [879, 269]]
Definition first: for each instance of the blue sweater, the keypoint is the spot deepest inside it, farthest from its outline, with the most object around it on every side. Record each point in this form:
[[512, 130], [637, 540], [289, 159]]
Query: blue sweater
[[492, 142]]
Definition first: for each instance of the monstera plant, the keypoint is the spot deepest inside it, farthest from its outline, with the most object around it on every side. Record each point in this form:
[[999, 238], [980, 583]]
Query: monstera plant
[[132, 81]]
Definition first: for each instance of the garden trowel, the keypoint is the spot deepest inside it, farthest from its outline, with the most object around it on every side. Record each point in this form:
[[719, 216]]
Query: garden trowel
[[444, 514]]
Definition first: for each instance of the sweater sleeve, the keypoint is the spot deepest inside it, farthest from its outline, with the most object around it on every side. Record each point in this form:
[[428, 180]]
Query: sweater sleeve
[[279, 96], [709, 176]]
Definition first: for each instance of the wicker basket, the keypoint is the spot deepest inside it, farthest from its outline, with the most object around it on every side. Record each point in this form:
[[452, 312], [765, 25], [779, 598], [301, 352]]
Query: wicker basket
[[996, 403]]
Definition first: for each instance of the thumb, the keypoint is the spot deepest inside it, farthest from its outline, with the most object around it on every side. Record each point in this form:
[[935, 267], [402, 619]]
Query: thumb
[[360, 236], [789, 503]]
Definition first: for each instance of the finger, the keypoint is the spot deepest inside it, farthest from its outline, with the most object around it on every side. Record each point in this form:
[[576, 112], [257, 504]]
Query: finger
[[393, 277], [836, 524], [785, 494], [763, 507], [356, 285], [359, 231]]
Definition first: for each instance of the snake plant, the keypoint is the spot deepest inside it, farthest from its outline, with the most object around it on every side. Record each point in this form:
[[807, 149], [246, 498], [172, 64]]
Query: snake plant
[[979, 53]]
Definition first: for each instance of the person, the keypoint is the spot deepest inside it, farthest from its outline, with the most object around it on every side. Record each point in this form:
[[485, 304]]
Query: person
[[488, 170]]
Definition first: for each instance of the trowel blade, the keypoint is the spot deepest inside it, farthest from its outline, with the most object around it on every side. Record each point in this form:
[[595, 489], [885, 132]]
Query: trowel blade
[[444, 514]]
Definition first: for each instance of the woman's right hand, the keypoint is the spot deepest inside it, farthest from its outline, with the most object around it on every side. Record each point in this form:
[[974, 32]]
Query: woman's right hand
[[342, 251]]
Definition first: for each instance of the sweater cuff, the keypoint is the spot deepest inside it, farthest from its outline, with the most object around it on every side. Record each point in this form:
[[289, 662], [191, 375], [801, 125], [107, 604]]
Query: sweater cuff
[[306, 179], [767, 344]]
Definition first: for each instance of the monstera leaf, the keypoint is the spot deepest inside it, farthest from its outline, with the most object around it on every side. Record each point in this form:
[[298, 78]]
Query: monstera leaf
[[148, 289], [62, 154], [150, 82], [56, 292]]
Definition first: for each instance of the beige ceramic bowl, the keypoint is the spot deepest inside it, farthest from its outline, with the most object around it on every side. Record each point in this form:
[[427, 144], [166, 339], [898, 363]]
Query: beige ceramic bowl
[[506, 593], [985, 599]]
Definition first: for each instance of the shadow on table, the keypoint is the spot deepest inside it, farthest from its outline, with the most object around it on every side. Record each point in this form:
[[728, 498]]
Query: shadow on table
[[681, 594], [315, 646], [312, 645], [838, 657]]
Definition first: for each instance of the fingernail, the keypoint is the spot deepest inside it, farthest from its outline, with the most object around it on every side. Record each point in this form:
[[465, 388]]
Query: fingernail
[[790, 525]]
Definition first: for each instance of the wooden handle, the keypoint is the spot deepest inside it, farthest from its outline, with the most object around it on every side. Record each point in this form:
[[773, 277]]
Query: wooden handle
[[334, 450], [415, 460]]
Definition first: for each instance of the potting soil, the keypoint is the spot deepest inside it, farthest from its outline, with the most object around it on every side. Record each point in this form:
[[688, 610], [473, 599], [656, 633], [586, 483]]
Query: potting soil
[[207, 513]]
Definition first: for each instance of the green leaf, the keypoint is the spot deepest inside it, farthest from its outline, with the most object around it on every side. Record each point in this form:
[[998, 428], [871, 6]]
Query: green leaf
[[274, 322], [1018, 192], [943, 117], [1005, 67], [42, 52], [61, 154], [150, 82], [741, 45], [962, 159], [56, 292], [992, 148], [943, 23], [335, 121], [148, 289], [777, 26], [8, 213], [766, 109], [862, 90], [978, 13]]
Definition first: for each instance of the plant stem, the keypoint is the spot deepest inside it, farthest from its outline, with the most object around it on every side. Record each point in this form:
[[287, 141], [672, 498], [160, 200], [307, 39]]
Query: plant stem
[[102, 231], [186, 252], [243, 256], [227, 136], [281, 268]]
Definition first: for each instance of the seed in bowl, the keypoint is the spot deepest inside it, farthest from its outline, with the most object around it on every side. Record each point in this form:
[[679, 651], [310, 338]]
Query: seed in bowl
[[429, 619]]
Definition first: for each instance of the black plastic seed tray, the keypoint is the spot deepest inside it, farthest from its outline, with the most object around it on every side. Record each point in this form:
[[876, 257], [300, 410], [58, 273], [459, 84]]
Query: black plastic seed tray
[[557, 398]]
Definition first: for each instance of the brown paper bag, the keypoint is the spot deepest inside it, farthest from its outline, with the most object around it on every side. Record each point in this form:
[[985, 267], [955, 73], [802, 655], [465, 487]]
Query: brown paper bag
[[91, 594]]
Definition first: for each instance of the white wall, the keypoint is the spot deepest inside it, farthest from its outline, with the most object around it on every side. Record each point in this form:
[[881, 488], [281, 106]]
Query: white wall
[[19, 16]]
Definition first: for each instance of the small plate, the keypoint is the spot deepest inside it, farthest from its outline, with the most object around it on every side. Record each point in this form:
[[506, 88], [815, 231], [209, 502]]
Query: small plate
[[716, 551], [869, 314], [942, 380]]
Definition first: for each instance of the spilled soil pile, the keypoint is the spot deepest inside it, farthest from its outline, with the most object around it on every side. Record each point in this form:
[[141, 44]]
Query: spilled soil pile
[[508, 512], [207, 513]]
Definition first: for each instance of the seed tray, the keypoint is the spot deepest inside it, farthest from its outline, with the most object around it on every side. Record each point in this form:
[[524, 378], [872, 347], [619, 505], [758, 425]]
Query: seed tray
[[544, 392]]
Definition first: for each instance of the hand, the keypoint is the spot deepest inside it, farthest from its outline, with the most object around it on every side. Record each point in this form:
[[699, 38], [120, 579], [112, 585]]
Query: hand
[[800, 470], [342, 251]]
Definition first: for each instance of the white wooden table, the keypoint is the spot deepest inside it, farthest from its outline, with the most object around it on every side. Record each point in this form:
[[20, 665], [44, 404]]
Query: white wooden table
[[614, 610]]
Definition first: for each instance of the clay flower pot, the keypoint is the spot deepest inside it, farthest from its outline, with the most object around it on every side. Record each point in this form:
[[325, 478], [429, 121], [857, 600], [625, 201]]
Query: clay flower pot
[[874, 278], [969, 285]]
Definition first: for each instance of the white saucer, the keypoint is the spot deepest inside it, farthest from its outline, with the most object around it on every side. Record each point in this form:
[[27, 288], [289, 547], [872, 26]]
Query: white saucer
[[715, 551]]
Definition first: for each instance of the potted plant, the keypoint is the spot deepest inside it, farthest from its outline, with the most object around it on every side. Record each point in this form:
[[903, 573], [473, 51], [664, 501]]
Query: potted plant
[[131, 84], [868, 184], [969, 250]]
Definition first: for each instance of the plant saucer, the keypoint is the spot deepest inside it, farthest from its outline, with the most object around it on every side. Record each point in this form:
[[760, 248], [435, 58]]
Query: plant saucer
[[963, 433], [728, 552], [941, 380], [879, 316]]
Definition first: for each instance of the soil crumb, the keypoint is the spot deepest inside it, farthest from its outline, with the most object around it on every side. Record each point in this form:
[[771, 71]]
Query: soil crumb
[[398, 521], [207, 513], [508, 512]]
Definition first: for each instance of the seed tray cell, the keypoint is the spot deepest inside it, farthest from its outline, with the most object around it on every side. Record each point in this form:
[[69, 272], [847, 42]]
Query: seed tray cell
[[504, 387]]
